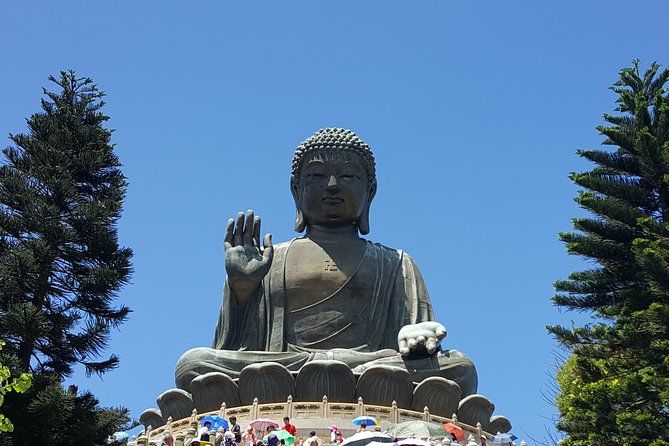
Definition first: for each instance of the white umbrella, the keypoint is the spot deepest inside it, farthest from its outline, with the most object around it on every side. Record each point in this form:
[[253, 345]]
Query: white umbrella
[[413, 442], [365, 438]]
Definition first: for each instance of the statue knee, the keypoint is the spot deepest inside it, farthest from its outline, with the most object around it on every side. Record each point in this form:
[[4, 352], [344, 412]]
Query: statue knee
[[189, 366], [463, 371]]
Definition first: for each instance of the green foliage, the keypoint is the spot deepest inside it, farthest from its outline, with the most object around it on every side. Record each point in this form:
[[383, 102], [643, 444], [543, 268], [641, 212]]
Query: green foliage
[[18, 384], [614, 388], [61, 266], [61, 194], [51, 414]]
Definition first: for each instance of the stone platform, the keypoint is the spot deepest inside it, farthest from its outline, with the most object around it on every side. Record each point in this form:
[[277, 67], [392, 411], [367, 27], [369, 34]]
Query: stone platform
[[307, 416], [378, 386]]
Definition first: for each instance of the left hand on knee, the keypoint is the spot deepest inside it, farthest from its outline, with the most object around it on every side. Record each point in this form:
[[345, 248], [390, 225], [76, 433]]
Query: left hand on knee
[[421, 336]]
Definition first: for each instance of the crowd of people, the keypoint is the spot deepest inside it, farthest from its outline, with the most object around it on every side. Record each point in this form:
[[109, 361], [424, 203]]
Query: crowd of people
[[231, 434], [234, 436]]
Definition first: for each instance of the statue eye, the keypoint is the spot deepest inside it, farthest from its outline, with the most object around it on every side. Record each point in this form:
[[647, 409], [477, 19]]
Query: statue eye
[[315, 175], [348, 176]]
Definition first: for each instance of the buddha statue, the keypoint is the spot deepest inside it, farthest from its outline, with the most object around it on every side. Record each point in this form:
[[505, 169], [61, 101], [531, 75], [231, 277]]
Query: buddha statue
[[329, 294]]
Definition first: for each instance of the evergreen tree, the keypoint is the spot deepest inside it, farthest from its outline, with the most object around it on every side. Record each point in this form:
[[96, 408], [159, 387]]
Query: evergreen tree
[[50, 414], [61, 266], [614, 388], [61, 193]]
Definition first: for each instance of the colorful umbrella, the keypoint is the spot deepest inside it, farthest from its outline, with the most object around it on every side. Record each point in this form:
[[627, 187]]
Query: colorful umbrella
[[215, 421], [369, 421], [503, 438], [261, 424], [281, 435], [456, 430]]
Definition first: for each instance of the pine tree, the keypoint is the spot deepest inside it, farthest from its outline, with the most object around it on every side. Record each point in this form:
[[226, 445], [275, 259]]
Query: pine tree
[[61, 266], [61, 193], [614, 388], [52, 414]]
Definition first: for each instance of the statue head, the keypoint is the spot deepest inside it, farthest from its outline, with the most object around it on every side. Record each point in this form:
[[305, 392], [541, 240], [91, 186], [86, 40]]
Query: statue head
[[333, 180]]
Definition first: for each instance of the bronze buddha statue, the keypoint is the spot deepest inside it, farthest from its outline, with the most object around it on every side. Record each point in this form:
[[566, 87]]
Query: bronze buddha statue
[[329, 294]]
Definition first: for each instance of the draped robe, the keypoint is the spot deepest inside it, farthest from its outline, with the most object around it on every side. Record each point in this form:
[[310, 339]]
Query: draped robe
[[394, 296]]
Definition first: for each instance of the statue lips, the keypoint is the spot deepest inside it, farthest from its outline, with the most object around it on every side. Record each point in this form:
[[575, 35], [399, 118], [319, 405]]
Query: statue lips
[[333, 200]]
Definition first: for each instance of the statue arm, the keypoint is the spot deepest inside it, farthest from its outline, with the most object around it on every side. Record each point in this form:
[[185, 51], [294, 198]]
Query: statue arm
[[419, 333], [417, 297], [241, 327], [409, 303]]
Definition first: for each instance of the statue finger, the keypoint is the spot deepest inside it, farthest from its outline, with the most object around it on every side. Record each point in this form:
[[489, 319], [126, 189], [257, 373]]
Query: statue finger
[[421, 340], [268, 248], [239, 229], [431, 345], [256, 231], [440, 332], [413, 343], [248, 228], [404, 348], [228, 233]]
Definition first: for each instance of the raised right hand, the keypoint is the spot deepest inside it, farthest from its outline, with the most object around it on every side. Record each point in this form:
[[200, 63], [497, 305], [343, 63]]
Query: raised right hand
[[245, 263]]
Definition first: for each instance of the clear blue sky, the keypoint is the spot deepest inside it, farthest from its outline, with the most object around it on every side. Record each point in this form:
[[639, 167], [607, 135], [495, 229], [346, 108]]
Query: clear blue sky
[[475, 110]]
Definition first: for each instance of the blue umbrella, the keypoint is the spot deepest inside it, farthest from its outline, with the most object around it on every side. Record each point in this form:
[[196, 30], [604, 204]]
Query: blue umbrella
[[503, 438], [215, 421], [369, 421]]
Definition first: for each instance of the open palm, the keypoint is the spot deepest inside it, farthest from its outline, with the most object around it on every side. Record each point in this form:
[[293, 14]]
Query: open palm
[[245, 262]]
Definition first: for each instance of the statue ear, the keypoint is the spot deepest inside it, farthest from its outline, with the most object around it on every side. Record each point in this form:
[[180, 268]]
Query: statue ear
[[363, 221], [300, 222]]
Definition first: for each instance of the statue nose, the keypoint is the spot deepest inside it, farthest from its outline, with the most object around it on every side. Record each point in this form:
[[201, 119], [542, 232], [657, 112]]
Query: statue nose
[[332, 182]]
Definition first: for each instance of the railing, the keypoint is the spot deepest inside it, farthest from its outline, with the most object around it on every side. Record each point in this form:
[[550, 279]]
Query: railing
[[186, 428]]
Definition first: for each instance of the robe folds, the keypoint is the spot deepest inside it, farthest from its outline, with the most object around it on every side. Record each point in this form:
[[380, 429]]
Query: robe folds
[[397, 297], [394, 295]]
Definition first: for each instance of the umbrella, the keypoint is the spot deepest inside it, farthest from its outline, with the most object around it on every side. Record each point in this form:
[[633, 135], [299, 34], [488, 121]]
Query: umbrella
[[413, 442], [456, 430], [365, 438], [281, 435], [503, 438], [418, 429], [369, 421], [261, 424], [215, 421]]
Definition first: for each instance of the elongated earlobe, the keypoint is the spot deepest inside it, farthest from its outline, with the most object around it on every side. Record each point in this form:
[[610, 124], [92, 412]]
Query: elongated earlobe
[[363, 224], [363, 221], [300, 222]]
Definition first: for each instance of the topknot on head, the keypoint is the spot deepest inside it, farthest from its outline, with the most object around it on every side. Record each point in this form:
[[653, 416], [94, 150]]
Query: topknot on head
[[333, 138]]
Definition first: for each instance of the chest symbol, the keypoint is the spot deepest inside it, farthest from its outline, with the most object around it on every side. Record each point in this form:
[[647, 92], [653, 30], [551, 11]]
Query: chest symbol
[[330, 265]]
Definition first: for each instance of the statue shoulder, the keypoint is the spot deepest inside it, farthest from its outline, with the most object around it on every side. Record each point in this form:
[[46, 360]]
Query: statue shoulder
[[398, 254], [283, 245], [280, 249]]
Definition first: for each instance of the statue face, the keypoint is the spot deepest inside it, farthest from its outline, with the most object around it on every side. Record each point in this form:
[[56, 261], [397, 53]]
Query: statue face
[[333, 188]]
